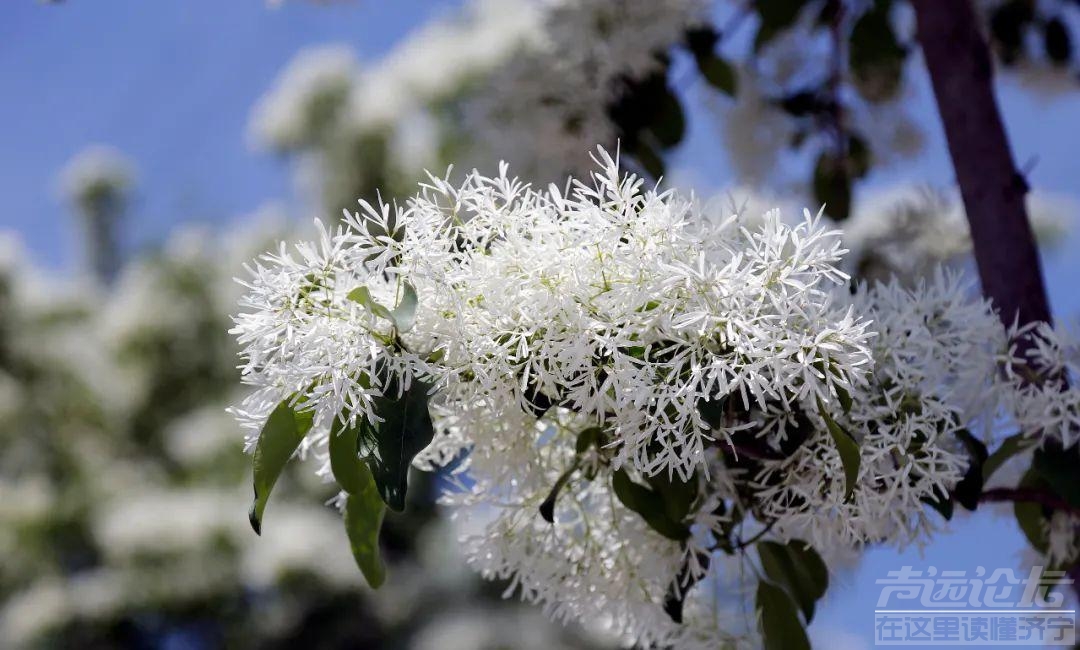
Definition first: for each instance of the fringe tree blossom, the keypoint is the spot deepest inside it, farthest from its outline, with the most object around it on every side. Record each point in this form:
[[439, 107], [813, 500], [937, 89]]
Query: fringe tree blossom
[[544, 108], [624, 390]]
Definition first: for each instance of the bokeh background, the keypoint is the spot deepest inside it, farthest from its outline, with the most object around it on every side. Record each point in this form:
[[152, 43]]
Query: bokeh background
[[149, 149]]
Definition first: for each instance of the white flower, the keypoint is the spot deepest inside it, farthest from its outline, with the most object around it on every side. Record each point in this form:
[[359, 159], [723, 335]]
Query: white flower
[[706, 352], [305, 97]]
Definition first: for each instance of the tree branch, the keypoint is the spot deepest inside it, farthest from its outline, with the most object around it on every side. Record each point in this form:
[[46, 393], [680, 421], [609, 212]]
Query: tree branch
[[1030, 495], [961, 70]]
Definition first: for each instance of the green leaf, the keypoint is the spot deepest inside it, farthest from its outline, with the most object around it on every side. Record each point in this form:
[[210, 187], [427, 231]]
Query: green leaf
[[875, 55], [680, 587], [678, 496], [1058, 468], [1029, 515], [364, 512], [588, 438], [350, 472], [1009, 447], [650, 161], [969, 489], [1057, 42], [849, 451], [547, 507], [943, 504], [781, 628], [776, 16], [799, 569], [650, 505], [844, 397], [701, 40], [390, 446], [362, 296], [832, 186], [859, 156], [719, 74], [405, 312], [765, 33], [669, 123], [713, 411], [278, 441]]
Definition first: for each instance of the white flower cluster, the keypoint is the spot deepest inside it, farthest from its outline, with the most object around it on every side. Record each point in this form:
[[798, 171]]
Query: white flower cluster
[[586, 341], [1045, 408], [543, 109], [327, 87], [910, 231]]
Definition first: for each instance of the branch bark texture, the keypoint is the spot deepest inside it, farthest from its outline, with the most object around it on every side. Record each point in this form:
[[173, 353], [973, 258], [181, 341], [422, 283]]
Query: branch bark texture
[[961, 71]]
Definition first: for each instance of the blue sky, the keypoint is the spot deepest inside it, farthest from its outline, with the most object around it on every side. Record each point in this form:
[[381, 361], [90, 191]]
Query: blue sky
[[171, 83]]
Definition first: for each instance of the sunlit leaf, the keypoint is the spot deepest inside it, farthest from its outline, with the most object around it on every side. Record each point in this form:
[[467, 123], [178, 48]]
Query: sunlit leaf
[[848, 450], [364, 512], [362, 296], [405, 312], [278, 441], [781, 628]]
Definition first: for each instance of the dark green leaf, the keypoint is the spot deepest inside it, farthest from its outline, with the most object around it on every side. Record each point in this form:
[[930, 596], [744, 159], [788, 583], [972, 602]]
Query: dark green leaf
[[1060, 469], [669, 124], [859, 156], [844, 398], [1029, 515], [363, 519], [278, 441], [682, 584], [776, 16], [832, 186], [678, 495], [781, 628], [849, 451], [969, 489], [807, 102], [648, 504], [1057, 41], [797, 435], [588, 438], [875, 55], [350, 472], [713, 411], [1008, 23], [764, 35], [719, 73], [650, 161], [701, 40], [547, 508], [797, 568], [942, 503], [390, 446], [1009, 447]]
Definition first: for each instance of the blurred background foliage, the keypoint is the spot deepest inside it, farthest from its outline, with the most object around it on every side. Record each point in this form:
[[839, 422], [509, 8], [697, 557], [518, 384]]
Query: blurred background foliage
[[123, 489]]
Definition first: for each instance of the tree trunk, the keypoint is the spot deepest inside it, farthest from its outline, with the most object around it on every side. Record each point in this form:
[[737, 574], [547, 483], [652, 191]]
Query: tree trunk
[[961, 71]]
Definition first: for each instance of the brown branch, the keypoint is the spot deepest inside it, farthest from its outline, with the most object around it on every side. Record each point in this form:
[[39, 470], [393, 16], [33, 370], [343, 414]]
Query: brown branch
[[1028, 495], [961, 71]]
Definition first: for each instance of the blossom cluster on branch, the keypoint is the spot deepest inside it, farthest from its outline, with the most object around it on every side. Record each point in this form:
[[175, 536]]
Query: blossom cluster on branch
[[626, 391]]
